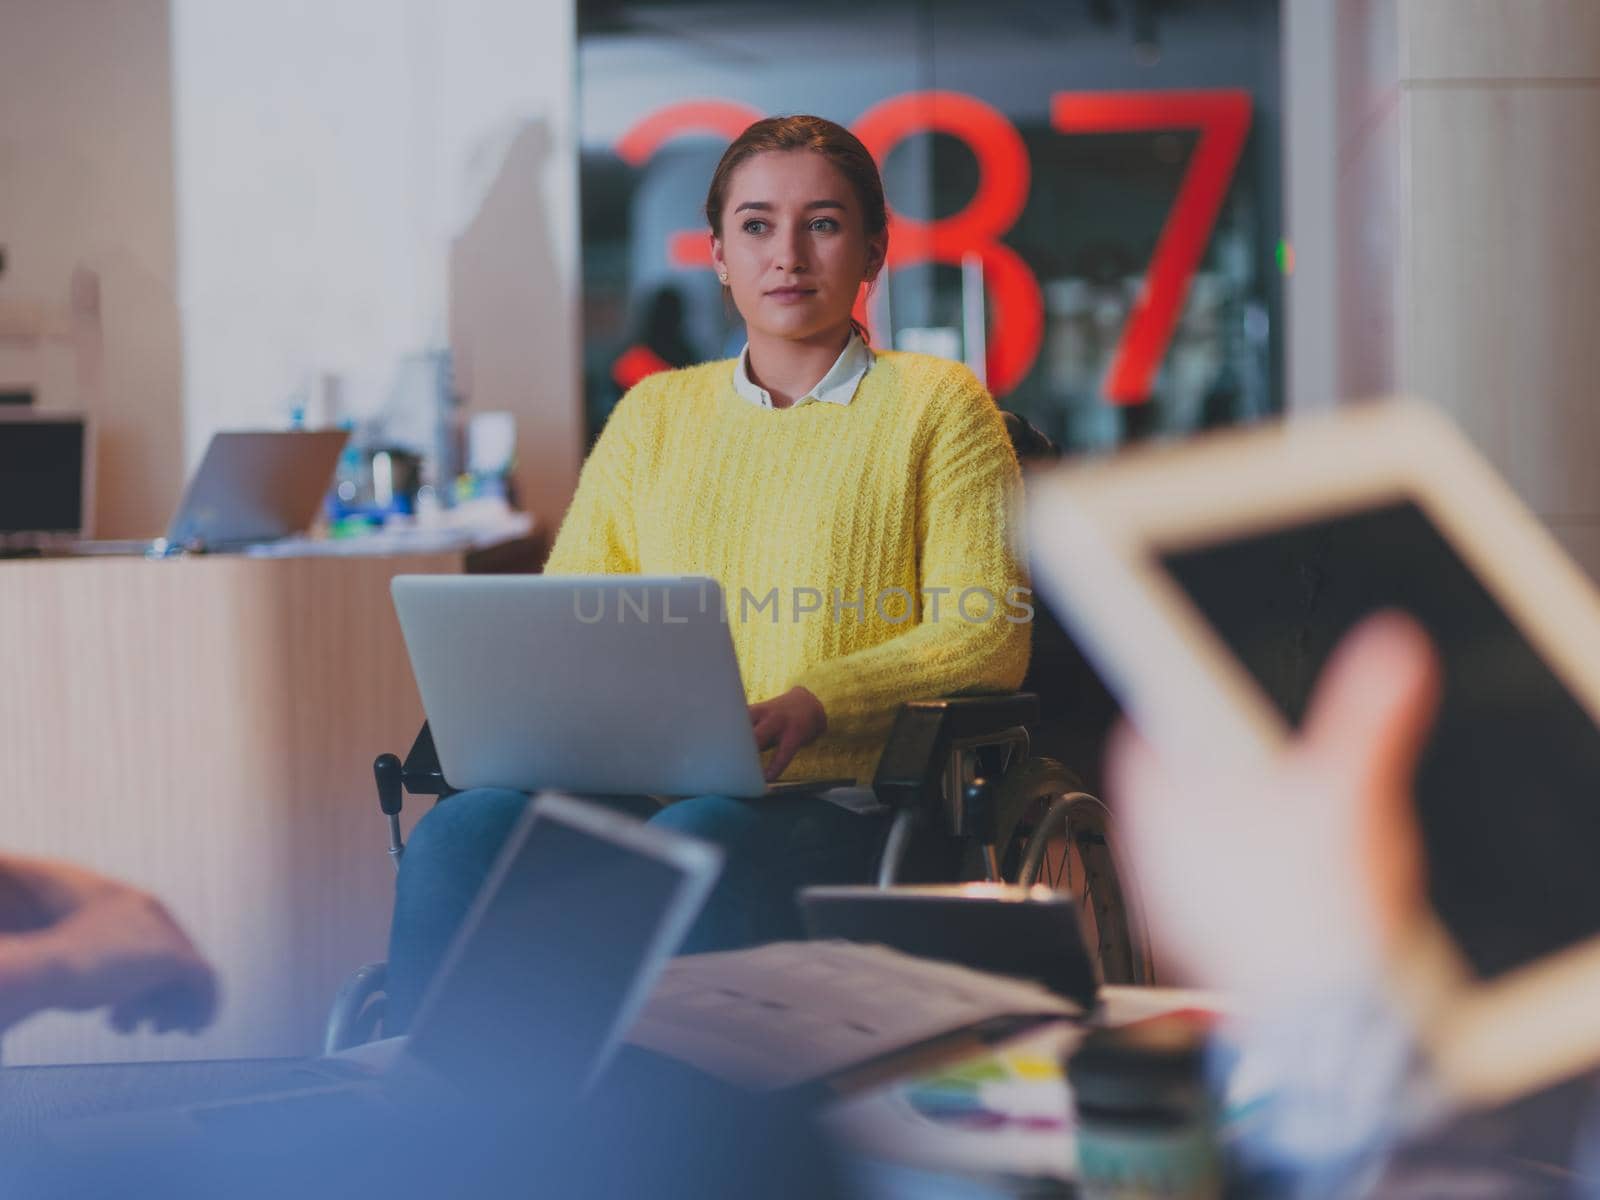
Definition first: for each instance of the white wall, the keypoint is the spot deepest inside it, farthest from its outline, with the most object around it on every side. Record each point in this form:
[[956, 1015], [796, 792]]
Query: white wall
[[86, 189], [329, 154], [1368, 219], [1463, 172], [1500, 263], [1310, 138]]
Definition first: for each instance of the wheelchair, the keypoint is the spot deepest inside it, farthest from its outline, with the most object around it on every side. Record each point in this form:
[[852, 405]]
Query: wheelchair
[[965, 796]]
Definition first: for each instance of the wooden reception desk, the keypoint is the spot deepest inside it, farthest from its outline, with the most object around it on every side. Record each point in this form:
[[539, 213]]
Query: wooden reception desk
[[205, 728]]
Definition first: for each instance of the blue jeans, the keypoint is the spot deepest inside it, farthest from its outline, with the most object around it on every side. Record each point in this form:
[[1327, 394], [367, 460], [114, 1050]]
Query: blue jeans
[[772, 848]]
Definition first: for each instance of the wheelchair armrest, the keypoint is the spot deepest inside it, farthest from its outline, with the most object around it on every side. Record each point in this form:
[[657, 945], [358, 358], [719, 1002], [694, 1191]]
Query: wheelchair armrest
[[421, 772], [915, 755], [979, 716]]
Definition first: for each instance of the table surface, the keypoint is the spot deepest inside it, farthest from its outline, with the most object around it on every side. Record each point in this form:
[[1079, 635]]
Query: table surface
[[205, 729], [1517, 1151], [1522, 1149], [32, 1098], [951, 1117]]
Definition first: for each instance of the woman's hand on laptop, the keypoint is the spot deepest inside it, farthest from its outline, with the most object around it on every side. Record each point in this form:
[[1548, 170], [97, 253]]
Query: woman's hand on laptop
[[72, 939], [1293, 875], [785, 724]]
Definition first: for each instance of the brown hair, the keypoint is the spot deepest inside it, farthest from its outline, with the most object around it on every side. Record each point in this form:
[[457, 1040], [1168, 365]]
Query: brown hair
[[819, 135]]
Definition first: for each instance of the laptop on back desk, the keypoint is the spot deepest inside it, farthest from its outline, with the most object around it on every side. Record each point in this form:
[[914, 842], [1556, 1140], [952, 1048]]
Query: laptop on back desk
[[251, 487]]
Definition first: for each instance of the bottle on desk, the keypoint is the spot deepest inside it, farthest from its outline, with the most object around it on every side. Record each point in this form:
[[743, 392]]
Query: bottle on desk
[[1146, 1122]]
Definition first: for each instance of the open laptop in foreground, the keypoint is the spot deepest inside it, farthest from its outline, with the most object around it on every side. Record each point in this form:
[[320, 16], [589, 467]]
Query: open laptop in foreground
[[1024, 932], [560, 951], [600, 685], [251, 487]]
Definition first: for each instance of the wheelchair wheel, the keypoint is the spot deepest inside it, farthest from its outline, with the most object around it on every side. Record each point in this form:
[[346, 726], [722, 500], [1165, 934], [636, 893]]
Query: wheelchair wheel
[[357, 1014], [1049, 831]]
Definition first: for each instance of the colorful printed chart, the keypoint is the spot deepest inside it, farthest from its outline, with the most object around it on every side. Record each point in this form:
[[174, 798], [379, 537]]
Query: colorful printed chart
[[1006, 1111], [1019, 1089]]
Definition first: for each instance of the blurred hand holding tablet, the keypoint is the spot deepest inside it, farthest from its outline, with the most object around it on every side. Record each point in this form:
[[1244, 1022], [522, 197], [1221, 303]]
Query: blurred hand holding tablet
[[1211, 581]]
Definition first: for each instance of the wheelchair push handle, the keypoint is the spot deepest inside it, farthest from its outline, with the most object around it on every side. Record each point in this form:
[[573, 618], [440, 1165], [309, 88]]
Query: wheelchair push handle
[[388, 774]]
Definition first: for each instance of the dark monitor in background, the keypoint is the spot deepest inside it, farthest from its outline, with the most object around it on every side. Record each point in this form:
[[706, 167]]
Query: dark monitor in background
[[44, 475]]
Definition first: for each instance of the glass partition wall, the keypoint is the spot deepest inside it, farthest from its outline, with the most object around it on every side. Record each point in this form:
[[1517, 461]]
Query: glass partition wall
[[1086, 195]]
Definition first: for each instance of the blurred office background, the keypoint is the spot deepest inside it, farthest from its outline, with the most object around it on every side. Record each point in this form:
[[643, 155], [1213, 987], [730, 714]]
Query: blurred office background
[[1137, 218], [1045, 221], [227, 213]]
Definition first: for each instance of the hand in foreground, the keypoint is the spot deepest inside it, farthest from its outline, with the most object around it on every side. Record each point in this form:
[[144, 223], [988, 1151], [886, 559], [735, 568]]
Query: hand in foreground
[[72, 939], [1296, 874], [786, 723]]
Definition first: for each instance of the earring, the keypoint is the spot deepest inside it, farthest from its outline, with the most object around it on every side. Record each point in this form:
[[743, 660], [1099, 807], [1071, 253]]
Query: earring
[[722, 275]]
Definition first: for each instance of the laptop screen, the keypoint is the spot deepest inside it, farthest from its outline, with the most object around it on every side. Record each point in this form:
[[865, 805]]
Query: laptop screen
[[256, 486], [1508, 789], [41, 476], [532, 996]]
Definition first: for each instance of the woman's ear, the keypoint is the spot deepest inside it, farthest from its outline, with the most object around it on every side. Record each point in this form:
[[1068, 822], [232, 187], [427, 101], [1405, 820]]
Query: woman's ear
[[718, 264], [877, 251]]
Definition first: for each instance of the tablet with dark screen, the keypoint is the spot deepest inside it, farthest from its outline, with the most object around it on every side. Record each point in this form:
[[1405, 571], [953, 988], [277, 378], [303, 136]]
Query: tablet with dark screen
[[1210, 582], [1508, 790]]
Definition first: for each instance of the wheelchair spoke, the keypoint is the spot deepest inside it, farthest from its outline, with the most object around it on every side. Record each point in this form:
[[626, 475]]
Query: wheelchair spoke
[[1046, 821], [991, 863]]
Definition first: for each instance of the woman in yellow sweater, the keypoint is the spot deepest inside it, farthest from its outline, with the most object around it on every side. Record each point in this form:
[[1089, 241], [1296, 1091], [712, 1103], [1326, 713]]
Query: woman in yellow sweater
[[854, 505]]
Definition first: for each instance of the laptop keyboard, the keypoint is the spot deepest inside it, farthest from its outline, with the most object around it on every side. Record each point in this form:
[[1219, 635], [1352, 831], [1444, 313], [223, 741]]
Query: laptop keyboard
[[314, 1106]]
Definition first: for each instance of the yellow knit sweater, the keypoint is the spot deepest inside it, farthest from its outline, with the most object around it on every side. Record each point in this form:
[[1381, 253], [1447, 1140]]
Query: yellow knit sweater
[[911, 486]]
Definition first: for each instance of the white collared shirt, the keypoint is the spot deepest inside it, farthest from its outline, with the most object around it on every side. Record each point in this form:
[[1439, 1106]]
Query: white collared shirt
[[838, 386]]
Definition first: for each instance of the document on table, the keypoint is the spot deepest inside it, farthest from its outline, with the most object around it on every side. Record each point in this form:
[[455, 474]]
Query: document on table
[[792, 1012]]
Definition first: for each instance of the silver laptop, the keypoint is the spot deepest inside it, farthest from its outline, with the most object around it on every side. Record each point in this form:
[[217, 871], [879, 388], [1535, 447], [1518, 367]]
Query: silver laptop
[[600, 685], [256, 487], [558, 954], [251, 487]]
